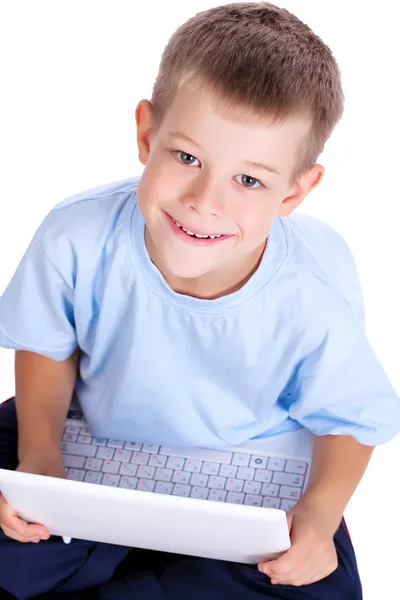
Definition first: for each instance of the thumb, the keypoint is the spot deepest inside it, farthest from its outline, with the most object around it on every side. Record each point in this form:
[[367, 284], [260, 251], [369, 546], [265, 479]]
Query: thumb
[[268, 567], [10, 518], [274, 566]]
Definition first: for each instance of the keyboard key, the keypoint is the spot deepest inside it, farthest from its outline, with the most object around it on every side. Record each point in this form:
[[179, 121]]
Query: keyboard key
[[199, 454], [287, 504], [115, 444], [105, 453], [252, 487], [99, 441], [139, 458], [288, 479], [199, 479], [193, 466], [128, 470], [157, 461], [217, 482], [146, 485], [181, 490], [76, 474], [78, 449], [111, 480], [93, 477], [258, 462], [181, 477], [76, 462], [150, 448], [199, 492], [175, 463], [217, 495], [241, 460], [86, 431], [290, 493], [270, 489], [123, 455], [263, 476], [163, 474], [164, 487], [111, 466], [245, 473], [210, 468], [253, 500], [234, 485], [235, 498], [146, 472], [132, 446], [93, 464], [228, 470], [128, 483], [296, 466], [276, 464], [271, 502], [72, 429], [70, 437]]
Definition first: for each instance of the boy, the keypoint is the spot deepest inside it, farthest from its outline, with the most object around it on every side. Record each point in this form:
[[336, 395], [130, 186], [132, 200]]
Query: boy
[[191, 307]]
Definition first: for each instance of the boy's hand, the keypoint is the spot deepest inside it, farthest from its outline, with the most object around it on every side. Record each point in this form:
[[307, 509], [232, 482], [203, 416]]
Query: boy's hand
[[10, 522], [312, 555]]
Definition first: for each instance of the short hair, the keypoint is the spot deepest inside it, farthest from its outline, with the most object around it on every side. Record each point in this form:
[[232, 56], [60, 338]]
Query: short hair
[[258, 58]]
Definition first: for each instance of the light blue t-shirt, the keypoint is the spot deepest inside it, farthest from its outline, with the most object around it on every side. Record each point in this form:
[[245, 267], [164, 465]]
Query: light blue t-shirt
[[286, 350]]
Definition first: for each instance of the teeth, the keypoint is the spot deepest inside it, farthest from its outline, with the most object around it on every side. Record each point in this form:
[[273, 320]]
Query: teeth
[[196, 235]]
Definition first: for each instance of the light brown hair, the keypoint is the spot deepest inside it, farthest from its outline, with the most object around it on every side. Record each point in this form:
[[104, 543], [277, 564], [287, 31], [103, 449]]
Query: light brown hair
[[260, 59]]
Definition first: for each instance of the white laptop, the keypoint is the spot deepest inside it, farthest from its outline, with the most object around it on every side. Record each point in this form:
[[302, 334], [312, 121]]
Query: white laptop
[[228, 504]]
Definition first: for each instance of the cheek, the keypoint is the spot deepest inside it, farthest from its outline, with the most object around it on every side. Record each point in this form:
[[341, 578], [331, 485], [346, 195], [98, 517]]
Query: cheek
[[161, 182], [255, 224]]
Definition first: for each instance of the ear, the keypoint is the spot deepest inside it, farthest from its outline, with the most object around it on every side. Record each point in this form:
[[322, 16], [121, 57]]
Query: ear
[[144, 127], [303, 186]]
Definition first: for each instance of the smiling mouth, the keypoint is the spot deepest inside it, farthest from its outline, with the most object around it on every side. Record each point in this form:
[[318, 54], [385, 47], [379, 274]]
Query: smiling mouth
[[200, 236]]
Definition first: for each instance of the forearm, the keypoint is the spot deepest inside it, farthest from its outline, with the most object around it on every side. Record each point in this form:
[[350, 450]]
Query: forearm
[[338, 464], [44, 389]]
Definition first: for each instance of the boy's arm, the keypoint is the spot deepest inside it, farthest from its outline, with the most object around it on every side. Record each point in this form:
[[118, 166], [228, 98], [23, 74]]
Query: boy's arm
[[338, 463], [44, 389]]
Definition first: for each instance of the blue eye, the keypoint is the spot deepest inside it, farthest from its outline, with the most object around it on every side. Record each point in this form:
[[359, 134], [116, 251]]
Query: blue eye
[[188, 159], [249, 182], [185, 158]]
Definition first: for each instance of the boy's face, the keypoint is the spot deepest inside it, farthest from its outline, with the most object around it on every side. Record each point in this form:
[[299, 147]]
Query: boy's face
[[198, 176]]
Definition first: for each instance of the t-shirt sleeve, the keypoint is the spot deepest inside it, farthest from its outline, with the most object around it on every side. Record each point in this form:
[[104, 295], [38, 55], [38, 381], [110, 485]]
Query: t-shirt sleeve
[[342, 389], [36, 309]]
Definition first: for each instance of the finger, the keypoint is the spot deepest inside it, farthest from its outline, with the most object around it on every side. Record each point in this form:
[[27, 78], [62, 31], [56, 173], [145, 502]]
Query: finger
[[22, 528], [14, 536], [26, 530], [305, 576], [281, 566], [295, 559]]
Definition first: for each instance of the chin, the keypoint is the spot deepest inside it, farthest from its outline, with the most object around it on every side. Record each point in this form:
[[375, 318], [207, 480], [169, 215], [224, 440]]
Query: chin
[[182, 271], [184, 267]]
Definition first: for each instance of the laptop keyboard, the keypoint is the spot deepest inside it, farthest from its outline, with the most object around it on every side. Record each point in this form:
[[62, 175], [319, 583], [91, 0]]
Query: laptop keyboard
[[219, 475]]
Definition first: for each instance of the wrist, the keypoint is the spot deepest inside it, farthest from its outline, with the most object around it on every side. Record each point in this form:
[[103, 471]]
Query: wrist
[[43, 451], [322, 507]]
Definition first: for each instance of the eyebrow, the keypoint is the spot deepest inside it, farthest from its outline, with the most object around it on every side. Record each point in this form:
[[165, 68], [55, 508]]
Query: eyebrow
[[257, 165]]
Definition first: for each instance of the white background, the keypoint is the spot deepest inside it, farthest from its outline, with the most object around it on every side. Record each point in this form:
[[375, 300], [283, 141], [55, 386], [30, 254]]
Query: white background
[[72, 73]]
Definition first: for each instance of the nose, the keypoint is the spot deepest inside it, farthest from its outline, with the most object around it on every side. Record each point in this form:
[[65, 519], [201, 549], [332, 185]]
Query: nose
[[203, 196]]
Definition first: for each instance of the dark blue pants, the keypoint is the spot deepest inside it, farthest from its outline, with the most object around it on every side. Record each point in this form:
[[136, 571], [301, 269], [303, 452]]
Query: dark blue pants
[[54, 570]]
